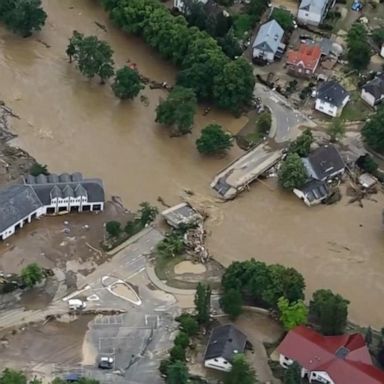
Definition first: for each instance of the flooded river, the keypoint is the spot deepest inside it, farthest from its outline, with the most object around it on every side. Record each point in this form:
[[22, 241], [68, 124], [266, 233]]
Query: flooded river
[[72, 124]]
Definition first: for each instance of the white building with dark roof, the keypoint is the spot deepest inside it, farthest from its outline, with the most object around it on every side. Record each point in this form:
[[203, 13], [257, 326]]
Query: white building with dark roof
[[313, 12], [331, 98], [225, 342], [373, 91], [51, 194]]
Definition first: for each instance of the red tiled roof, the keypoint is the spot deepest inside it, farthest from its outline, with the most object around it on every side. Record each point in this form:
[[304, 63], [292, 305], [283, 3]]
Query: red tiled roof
[[345, 358], [307, 56]]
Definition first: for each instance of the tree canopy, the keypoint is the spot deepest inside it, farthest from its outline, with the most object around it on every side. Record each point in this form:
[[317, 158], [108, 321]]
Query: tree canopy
[[204, 66], [336, 129], [93, 56], [178, 110], [188, 324], [213, 140], [302, 144], [241, 372], [203, 303], [265, 284], [284, 18], [292, 375], [292, 314], [177, 373], [373, 131], [127, 83], [32, 274], [22, 16], [330, 311], [231, 303], [113, 228], [292, 173], [358, 51]]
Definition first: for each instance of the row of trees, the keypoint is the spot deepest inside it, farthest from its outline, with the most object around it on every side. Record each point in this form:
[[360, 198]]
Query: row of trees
[[358, 51], [373, 131], [280, 288], [94, 58], [204, 66], [22, 16]]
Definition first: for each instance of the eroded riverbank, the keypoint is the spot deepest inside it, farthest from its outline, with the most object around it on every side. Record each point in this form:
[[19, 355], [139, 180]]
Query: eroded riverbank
[[72, 124]]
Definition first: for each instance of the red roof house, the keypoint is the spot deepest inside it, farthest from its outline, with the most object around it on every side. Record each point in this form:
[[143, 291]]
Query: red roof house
[[331, 359], [304, 61]]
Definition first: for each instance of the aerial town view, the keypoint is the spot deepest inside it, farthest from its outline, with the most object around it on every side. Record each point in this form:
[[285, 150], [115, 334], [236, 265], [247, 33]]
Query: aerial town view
[[191, 191]]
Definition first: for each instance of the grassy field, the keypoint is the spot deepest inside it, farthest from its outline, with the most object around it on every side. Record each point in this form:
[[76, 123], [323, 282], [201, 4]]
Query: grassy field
[[356, 109]]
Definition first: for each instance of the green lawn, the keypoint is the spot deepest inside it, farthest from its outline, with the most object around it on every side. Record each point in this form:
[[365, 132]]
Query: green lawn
[[356, 109]]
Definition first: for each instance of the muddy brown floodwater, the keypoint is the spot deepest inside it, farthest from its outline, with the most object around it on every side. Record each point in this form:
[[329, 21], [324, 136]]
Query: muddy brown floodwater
[[72, 124]]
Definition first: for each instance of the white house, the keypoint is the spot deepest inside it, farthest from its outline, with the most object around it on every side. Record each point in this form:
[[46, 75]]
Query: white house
[[331, 98], [267, 44], [51, 194], [373, 91], [313, 192], [224, 343], [313, 12], [343, 359]]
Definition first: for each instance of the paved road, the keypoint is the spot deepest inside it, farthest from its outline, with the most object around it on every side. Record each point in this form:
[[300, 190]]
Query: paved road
[[285, 119]]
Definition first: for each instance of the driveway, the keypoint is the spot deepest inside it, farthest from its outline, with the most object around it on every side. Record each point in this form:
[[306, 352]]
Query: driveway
[[285, 119]]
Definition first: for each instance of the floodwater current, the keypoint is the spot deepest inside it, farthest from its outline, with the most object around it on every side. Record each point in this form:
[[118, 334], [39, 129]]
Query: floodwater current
[[73, 124]]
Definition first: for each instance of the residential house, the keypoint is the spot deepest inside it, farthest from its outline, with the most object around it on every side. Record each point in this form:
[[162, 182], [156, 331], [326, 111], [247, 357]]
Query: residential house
[[52, 194], [312, 193], [341, 359], [181, 215], [267, 45], [224, 343], [304, 62], [324, 163], [373, 91], [331, 98], [313, 12]]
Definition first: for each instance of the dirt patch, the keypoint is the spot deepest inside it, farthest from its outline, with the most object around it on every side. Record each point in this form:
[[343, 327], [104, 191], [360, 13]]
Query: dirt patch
[[189, 267], [50, 343]]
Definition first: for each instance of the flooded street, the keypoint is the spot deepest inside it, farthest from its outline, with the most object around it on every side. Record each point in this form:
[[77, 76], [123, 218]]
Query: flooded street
[[72, 124]]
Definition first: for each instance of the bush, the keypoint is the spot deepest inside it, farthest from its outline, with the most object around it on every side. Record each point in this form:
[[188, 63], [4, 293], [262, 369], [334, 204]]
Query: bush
[[177, 353], [38, 169], [213, 140], [367, 163], [188, 324], [113, 228], [164, 364], [171, 246], [32, 274], [182, 339]]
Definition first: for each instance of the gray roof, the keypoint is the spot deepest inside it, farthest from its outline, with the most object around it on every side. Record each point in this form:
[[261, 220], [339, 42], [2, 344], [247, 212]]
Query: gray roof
[[376, 86], [332, 92], [16, 203], [225, 341], [315, 190], [324, 162], [314, 6], [269, 37]]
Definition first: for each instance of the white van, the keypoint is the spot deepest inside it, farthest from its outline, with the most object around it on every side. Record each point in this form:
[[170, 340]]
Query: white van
[[76, 304]]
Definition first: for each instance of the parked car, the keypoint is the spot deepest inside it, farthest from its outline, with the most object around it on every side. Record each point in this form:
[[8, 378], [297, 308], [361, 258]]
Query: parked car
[[106, 362], [76, 304]]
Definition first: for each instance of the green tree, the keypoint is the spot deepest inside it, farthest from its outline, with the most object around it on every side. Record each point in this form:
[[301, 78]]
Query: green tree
[[231, 303], [292, 314], [177, 373], [163, 367], [188, 324], [373, 131], [230, 45], [177, 353], [284, 18], [241, 372], [93, 56], [378, 36], [213, 140], [171, 246], [292, 374], [367, 163], [32, 274], [113, 228], [127, 83], [10, 376], [233, 88], [147, 213], [336, 129], [203, 303], [330, 311], [182, 339], [302, 144], [38, 169], [292, 173], [178, 110], [358, 51], [23, 16], [263, 123]]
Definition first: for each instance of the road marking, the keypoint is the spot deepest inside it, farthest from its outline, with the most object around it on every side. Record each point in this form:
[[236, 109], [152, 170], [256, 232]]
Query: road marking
[[136, 273]]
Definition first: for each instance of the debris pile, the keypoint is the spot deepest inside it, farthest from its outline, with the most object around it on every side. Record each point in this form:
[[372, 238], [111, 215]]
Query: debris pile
[[194, 240]]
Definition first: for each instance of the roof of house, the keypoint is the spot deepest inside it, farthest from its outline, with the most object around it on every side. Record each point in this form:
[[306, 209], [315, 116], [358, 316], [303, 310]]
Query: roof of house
[[225, 341], [65, 185], [269, 37], [313, 6], [315, 190], [16, 203], [307, 56], [376, 86], [345, 358], [332, 92], [324, 162]]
